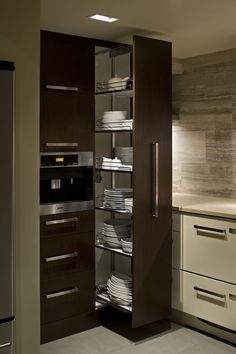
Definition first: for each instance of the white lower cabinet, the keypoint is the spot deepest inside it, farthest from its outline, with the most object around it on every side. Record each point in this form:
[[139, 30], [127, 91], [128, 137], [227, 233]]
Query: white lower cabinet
[[208, 247], [207, 299]]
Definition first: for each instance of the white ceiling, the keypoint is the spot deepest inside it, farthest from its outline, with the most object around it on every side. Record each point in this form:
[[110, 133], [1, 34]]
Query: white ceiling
[[194, 26]]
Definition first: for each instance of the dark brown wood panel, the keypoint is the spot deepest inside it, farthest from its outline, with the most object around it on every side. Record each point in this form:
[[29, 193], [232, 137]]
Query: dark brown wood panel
[[67, 116], [84, 223], [78, 248], [67, 60], [69, 326], [68, 305], [152, 236]]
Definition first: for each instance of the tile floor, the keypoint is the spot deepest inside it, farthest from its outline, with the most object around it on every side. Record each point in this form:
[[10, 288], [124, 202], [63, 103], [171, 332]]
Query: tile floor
[[100, 340]]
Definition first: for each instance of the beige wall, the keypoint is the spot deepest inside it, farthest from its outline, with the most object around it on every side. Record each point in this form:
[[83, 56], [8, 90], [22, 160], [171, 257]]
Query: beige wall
[[19, 42]]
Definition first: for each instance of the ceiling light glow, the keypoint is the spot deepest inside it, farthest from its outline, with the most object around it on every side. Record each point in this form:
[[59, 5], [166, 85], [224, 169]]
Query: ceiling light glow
[[103, 18]]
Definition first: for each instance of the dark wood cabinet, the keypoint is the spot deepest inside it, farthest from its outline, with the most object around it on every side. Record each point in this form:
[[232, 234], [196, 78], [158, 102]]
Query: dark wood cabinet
[[152, 181], [67, 92], [151, 62], [67, 264]]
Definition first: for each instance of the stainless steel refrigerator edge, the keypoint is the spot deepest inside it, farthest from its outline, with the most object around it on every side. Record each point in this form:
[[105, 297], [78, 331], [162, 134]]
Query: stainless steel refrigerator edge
[[7, 197]]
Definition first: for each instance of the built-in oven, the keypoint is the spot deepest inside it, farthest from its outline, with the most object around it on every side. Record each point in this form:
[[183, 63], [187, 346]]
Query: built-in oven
[[66, 182]]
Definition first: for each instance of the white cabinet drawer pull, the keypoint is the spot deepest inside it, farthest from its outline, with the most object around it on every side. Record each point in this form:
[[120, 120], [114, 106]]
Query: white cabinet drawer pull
[[60, 257], [232, 231], [221, 297], [232, 297], [5, 345], [62, 88], [61, 293], [209, 231], [61, 221]]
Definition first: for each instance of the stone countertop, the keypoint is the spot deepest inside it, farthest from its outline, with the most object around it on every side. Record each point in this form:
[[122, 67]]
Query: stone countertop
[[221, 207]]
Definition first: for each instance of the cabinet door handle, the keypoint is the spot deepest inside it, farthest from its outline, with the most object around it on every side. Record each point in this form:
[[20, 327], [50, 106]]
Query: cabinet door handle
[[232, 231], [232, 297], [61, 221], [210, 231], [60, 257], [61, 145], [155, 172], [5, 345], [61, 293], [62, 88], [209, 292]]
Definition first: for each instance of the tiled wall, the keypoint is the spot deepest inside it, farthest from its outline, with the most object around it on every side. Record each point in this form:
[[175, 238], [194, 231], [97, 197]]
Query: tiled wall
[[204, 135]]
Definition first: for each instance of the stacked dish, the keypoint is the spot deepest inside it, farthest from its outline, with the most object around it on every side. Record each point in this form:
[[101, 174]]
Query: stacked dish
[[129, 204], [114, 120], [119, 288], [127, 244], [115, 198], [114, 230], [125, 154]]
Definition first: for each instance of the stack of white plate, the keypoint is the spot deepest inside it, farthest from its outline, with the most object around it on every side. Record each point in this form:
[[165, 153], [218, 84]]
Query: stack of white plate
[[129, 204], [115, 198], [114, 230], [127, 244], [113, 116], [125, 154], [114, 120], [119, 288]]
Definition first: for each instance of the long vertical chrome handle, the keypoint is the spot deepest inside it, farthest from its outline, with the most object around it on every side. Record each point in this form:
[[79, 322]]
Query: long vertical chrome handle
[[155, 193]]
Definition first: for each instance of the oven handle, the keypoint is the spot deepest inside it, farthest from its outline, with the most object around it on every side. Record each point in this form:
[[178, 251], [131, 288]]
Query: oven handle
[[61, 221]]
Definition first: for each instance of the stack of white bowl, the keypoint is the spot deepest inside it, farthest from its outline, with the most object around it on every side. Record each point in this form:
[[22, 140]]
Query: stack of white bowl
[[125, 154], [129, 204], [114, 230], [127, 244], [119, 287]]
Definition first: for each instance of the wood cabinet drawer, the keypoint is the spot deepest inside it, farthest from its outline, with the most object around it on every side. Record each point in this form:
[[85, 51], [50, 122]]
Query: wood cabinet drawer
[[66, 297], [66, 224], [63, 254], [208, 299], [208, 247]]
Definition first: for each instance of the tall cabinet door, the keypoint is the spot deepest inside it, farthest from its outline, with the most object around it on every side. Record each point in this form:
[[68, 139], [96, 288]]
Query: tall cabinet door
[[67, 92], [152, 180]]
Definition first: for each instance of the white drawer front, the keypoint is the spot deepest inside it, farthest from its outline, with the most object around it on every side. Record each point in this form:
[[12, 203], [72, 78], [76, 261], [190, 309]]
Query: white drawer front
[[209, 247], [209, 299]]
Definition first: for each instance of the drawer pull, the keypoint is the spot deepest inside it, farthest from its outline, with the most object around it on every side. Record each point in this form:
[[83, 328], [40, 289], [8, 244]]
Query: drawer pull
[[61, 221], [232, 231], [232, 297], [62, 88], [62, 256], [210, 231], [61, 293], [208, 292], [5, 345], [51, 145]]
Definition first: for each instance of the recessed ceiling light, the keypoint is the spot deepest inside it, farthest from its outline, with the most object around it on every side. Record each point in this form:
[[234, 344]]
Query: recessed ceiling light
[[103, 18]]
